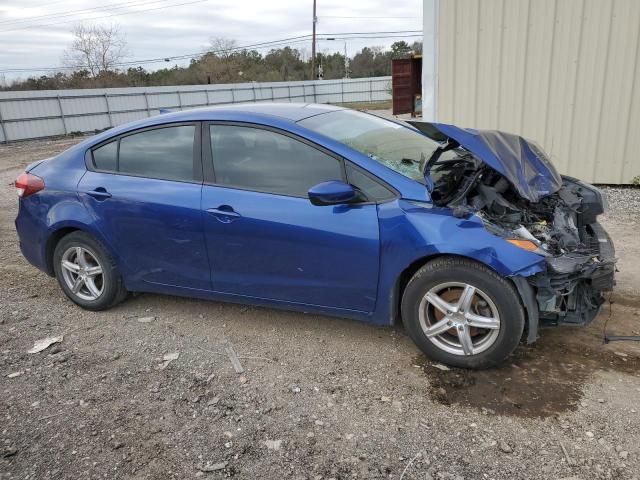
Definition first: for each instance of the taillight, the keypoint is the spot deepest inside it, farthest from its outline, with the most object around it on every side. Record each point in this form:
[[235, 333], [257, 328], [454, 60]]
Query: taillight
[[28, 184]]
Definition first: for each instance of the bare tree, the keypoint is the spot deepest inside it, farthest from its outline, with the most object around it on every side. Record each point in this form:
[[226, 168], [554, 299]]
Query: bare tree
[[221, 63], [96, 48], [222, 47]]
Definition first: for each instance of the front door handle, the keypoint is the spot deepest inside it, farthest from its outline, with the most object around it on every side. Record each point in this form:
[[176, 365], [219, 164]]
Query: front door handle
[[224, 213], [99, 193]]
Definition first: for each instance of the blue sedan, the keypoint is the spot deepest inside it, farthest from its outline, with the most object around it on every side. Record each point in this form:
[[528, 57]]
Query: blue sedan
[[470, 238]]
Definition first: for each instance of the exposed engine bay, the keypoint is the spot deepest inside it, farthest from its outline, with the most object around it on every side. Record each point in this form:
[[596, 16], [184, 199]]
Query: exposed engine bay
[[561, 226]]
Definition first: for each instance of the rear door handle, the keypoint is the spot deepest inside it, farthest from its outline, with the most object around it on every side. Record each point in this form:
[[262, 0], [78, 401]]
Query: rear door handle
[[99, 193], [224, 213]]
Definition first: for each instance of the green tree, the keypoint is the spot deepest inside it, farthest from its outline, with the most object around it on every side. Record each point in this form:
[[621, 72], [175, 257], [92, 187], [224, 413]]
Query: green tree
[[400, 49], [371, 62]]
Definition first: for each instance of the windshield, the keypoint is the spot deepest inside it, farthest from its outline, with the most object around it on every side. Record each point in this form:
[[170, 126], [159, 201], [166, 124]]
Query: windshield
[[400, 148]]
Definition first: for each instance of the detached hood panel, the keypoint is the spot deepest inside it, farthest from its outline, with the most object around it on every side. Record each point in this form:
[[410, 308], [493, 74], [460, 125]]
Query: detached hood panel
[[520, 161]]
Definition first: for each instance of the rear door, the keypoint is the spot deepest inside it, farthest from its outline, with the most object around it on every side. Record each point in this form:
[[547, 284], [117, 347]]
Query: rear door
[[266, 239], [144, 189]]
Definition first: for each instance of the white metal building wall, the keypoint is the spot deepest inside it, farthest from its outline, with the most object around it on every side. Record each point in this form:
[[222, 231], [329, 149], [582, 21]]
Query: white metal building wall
[[562, 72], [44, 113]]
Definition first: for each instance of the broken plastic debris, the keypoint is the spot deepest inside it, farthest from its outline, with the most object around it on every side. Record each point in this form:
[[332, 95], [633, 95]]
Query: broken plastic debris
[[439, 366], [233, 357], [45, 343], [212, 467], [168, 358], [15, 374], [146, 319], [273, 444]]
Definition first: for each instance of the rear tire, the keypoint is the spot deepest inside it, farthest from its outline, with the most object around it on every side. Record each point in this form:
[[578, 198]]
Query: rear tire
[[478, 320], [86, 272]]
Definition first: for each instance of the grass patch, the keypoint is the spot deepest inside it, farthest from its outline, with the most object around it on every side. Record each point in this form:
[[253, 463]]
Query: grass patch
[[383, 105]]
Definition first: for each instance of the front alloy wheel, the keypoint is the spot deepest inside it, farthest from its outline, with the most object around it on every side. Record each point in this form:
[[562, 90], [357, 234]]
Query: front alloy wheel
[[462, 313], [460, 318]]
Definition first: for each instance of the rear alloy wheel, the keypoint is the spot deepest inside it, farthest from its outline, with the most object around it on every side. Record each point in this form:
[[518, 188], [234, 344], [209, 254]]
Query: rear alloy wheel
[[87, 273], [82, 273], [462, 313]]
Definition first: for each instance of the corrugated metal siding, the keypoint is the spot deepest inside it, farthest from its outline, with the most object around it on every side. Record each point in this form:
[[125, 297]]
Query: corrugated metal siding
[[562, 72], [36, 114]]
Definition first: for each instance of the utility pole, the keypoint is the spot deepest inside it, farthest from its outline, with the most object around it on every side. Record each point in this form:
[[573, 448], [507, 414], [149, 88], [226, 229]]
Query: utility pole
[[346, 59], [313, 43]]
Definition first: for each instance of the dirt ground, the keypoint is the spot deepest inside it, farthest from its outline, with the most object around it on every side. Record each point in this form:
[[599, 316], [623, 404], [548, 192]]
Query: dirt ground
[[320, 397]]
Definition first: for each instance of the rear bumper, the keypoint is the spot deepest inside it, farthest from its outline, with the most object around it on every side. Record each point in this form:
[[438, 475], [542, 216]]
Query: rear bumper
[[32, 234]]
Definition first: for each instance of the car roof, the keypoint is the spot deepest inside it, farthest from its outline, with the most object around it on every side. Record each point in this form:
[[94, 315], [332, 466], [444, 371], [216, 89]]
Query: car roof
[[288, 111], [291, 111], [267, 112]]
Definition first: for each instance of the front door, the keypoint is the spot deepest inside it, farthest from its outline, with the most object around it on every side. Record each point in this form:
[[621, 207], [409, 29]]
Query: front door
[[265, 238]]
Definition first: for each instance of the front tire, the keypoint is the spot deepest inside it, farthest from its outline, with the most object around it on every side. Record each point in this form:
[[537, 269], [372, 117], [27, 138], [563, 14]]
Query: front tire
[[86, 272], [461, 313]]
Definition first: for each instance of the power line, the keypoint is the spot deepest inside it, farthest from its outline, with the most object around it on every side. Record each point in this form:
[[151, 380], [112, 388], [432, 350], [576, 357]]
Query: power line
[[67, 13], [129, 4], [255, 46], [176, 57], [276, 43], [390, 36], [105, 16], [360, 16], [45, 3], [367, 33]]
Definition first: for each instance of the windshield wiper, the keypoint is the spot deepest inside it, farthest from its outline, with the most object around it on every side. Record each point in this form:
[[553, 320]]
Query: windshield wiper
[[445, 147]]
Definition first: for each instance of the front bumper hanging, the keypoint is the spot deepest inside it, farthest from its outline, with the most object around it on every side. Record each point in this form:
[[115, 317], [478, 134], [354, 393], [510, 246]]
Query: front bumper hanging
[[572, 290]]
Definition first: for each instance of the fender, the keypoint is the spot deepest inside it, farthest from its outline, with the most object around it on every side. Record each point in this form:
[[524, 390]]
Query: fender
[[72, 214], [411, 234]]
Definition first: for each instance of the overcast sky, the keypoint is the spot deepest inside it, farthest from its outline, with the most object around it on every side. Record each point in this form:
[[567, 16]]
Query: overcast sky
[[159, 29]]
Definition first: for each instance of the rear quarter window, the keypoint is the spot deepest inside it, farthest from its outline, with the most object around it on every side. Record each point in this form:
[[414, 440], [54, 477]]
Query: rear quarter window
[[106, 157]]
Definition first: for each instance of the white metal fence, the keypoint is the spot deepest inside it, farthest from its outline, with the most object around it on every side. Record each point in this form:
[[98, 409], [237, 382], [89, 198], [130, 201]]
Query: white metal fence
[[46, 113]]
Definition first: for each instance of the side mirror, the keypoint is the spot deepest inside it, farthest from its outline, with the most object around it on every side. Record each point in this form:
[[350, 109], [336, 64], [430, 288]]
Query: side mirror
[[334, 192]]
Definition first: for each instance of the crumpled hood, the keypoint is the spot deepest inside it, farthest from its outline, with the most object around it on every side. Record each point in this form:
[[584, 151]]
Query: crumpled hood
[[520, 161]]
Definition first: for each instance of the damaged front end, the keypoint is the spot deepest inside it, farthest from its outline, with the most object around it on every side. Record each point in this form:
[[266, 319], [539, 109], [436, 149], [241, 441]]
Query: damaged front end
[[563, 227], [512, 186], [580, 272]]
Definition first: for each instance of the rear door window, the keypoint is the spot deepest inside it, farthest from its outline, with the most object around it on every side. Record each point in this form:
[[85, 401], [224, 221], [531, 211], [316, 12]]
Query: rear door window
[[165, 153]]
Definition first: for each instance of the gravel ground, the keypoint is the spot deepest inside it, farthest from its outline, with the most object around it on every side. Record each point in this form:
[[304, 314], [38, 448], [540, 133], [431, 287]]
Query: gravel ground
[[622, 221], [319, 397], [624, 203]]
